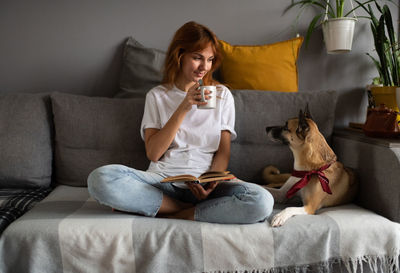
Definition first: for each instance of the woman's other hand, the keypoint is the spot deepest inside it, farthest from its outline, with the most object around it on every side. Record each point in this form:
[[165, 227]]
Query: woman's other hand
[[201, 192]]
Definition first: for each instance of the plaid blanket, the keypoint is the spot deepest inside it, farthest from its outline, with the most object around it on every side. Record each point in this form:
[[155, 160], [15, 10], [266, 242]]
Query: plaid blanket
[[15, 202], [70, 232]]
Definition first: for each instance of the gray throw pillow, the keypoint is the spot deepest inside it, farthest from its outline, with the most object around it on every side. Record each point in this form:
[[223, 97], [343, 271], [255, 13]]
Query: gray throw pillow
[[141, 69], [25, 141], [92, 132]]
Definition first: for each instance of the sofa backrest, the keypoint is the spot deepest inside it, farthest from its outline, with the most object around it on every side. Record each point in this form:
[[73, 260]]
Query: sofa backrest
[[25, 141], [94, 131], [91, 131]]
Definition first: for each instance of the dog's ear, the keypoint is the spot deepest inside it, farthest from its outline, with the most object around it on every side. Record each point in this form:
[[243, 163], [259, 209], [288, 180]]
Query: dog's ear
[[307, 113], [303, 127]]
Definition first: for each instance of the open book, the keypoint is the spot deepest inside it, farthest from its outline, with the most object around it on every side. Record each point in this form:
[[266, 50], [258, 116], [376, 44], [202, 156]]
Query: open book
[[204, 178]]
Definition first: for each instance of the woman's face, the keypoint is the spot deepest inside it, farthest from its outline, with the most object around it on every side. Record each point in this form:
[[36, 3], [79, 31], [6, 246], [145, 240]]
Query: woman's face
[[194, 66]]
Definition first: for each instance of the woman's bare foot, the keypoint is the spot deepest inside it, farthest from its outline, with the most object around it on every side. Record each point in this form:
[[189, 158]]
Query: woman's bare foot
[[187, 214], [170, 206]]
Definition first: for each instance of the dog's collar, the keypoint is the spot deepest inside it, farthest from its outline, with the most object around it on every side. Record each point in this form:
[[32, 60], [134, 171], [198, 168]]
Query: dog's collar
[[305, 178]]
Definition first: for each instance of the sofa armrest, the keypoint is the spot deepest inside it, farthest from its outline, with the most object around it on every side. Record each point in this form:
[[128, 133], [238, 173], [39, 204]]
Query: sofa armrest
[[377, 165]]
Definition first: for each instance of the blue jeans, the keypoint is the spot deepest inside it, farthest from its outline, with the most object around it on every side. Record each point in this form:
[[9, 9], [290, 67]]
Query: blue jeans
[[141, 192]]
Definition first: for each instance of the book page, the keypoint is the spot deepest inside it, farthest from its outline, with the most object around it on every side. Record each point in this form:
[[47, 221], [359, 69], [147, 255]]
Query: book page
[[180, 178], [213, 174]]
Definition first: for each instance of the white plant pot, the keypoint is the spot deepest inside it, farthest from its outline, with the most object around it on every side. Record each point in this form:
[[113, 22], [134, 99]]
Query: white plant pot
[[338, 34]]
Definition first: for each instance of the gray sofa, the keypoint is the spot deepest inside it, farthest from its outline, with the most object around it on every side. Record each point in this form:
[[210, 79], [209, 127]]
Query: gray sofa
[[52, 141]]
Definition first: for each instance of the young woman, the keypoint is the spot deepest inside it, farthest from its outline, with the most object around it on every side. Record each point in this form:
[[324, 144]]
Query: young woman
[[182, 139]]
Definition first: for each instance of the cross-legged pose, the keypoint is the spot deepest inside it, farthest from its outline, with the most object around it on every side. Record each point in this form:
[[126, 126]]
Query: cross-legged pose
[[182, 139]]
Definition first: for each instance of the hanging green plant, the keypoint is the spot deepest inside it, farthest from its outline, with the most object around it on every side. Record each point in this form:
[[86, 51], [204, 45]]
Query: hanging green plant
[[328, 10]]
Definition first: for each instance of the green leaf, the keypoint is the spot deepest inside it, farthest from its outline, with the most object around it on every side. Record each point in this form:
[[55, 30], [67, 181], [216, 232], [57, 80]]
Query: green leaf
[[373, 18], [391, 50], [380, 50], [360, 5], [321, 4], [306, 3], [311, 28], [377, 65]]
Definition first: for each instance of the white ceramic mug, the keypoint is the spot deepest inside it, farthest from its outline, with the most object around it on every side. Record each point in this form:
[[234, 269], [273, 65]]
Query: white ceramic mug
[[212, 101]]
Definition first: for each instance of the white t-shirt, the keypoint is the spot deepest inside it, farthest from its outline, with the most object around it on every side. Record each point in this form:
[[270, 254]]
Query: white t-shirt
[[197, 139]]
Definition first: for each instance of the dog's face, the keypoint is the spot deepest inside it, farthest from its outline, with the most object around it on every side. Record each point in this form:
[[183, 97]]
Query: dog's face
[[295, 130], [304, 139]]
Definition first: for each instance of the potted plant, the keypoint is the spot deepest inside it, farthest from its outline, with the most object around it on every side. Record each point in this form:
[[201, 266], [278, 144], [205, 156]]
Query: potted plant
[[388, 56], [337, 27]]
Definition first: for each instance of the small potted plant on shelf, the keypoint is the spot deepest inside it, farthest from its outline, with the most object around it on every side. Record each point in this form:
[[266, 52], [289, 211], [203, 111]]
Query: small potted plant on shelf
[[337, 27], [387, 61]]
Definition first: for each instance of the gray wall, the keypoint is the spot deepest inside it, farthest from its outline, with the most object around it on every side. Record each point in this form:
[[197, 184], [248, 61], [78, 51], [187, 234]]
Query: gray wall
[[76, 46]]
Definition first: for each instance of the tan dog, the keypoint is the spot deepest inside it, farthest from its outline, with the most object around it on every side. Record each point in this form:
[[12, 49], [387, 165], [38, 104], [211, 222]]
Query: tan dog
[[320, 180]]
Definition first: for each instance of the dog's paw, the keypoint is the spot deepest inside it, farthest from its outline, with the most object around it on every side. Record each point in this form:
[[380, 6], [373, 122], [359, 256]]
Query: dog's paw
[[280, 218], [285, 214]]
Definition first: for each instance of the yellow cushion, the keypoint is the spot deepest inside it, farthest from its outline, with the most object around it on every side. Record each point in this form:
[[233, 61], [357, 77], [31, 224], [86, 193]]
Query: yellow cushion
[[262, 67]]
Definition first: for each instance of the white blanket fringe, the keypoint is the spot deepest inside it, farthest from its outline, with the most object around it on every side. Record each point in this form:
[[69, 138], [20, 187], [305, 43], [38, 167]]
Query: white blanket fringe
[[377, 264]]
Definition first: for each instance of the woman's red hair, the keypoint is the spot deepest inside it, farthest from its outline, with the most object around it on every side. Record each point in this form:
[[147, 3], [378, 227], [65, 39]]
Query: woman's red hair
[[191, 37]]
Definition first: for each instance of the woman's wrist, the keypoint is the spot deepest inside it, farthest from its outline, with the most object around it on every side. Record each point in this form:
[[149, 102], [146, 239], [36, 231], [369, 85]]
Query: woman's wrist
[[184, 107]]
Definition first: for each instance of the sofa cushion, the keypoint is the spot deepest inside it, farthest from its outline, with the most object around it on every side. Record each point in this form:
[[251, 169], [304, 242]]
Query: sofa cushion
[[252, 150], [93, 131], [269, 67], [25, 141], [141, 69]]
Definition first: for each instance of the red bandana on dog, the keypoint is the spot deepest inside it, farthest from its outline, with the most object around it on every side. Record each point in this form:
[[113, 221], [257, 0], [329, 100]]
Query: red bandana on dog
[[305, 178]]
